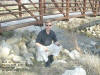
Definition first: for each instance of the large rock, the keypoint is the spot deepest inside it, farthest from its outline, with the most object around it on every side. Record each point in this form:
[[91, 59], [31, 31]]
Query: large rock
[[17, 59], [4, 49], [28, 55], [29, 58], [29, 62], [8, 34], [74, 54], [76, 71], [31, 44], [26, 35], [16, 49], [92, 30], [72, 23], [59, 61], [13, 40], [23, 48], [4, 52], [32, 50]]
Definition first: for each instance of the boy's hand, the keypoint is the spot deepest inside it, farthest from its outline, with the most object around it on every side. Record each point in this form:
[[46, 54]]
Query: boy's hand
[[45, 48], [57, 43]]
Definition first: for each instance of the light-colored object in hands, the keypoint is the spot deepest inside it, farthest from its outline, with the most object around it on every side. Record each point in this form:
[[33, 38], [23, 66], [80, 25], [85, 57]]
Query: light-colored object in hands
[[42, 55]]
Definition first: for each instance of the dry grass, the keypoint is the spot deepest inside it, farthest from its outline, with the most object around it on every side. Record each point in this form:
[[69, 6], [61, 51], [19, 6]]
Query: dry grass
[[91, 63]]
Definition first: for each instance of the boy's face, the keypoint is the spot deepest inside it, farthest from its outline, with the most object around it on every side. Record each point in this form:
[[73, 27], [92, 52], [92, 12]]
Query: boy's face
[[48, 26]]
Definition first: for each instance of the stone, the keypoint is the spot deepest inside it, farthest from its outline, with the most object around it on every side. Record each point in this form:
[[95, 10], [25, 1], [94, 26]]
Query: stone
[[4, 52], [13, 40], [88, 33], [59, 61], [63, 55], [4, 49], [97, 32], [93, 43], [76, 71], [8, 34], [4, 61], [28, 55], [23, 48], [66, 51], [31, 44], [98, 35], [29, 62], [29, 58], [10, 57], [32, 50], [26, 34], [16, 49], [93, 33], [74, 54], [17, 59]]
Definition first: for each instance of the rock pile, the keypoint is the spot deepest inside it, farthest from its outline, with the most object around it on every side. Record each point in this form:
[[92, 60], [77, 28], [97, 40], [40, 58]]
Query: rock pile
[[18, 48], [74, 23], [93, 30]]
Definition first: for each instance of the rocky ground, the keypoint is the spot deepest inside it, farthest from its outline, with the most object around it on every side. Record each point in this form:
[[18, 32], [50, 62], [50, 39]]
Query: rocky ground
[[93, 28], [18, 53]]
